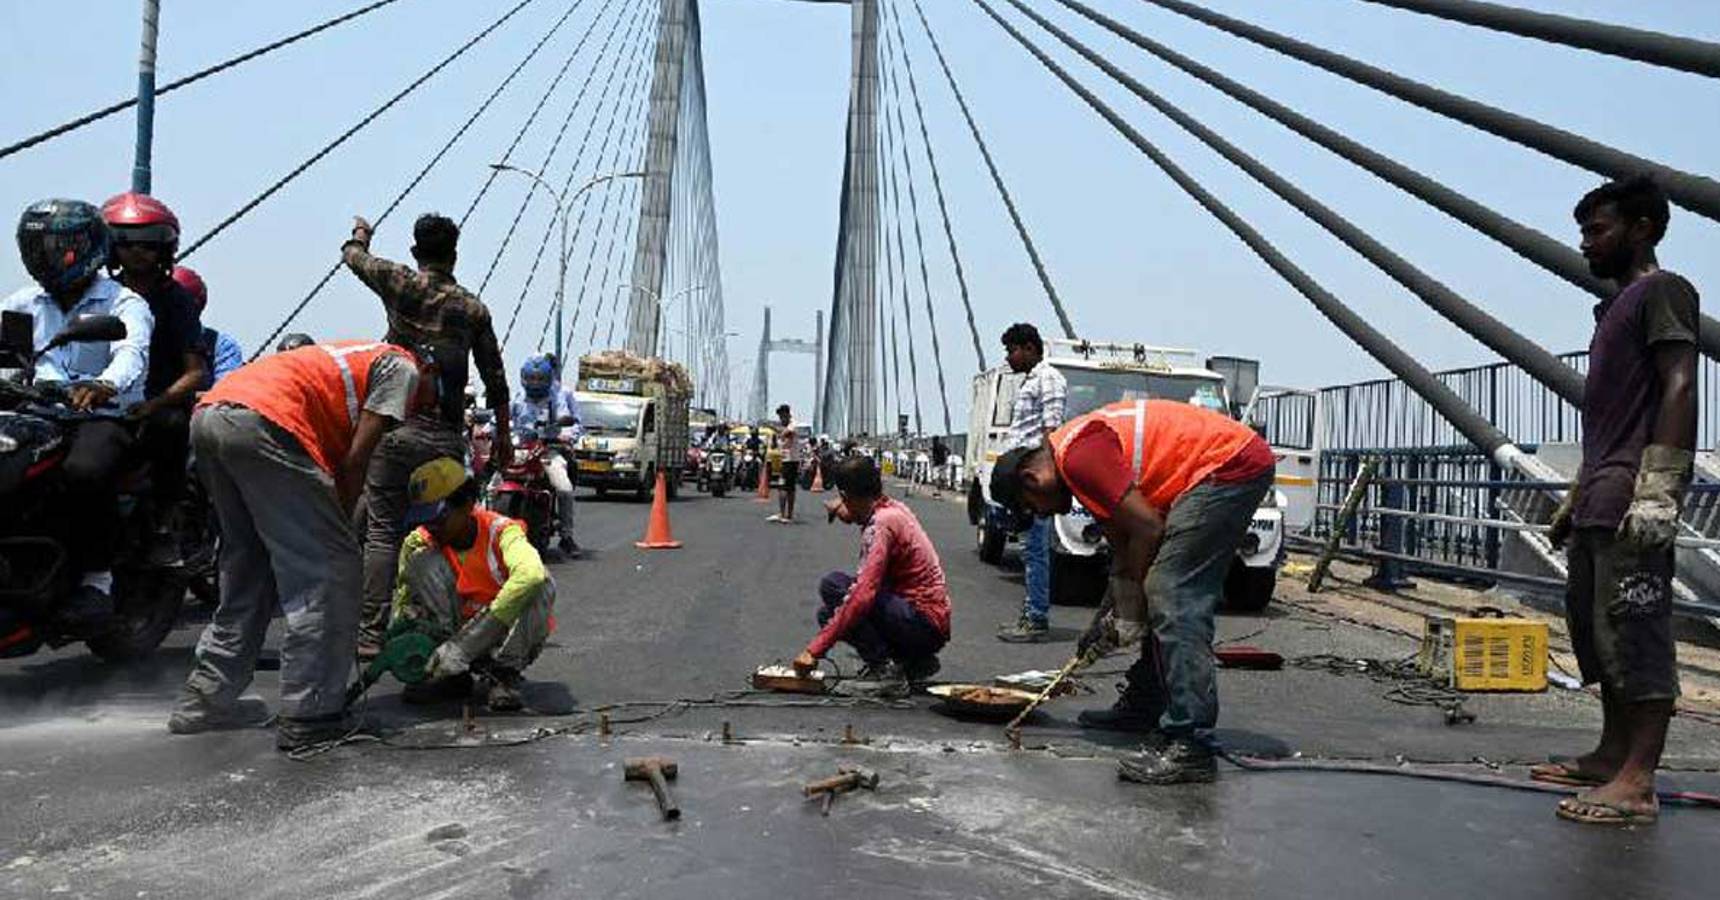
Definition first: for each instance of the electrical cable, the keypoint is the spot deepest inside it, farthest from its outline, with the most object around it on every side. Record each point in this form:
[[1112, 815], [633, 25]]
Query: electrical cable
[[194, 77], [328, 148], [412, 185], [997, 179]]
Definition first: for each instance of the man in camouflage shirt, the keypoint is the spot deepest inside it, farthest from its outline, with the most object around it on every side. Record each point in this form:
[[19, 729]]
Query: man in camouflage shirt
[[426, 308]]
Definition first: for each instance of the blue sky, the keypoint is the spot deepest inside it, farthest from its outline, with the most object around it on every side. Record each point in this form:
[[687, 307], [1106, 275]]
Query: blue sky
[[1134, 258]]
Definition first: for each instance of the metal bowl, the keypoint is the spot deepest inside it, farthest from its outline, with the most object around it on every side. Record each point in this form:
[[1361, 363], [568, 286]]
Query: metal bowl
[[980, 701]]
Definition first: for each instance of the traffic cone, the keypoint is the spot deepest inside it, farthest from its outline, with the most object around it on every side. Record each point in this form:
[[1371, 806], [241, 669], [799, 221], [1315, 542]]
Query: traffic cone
[[763, 482], [657, 533], [818, 479]]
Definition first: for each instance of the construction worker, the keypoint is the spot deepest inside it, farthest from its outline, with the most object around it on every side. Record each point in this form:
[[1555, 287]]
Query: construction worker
[[1174, 486], [282, 447], [475, 576]]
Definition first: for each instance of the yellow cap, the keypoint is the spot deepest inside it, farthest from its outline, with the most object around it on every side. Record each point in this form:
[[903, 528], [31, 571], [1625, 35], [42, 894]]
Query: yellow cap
[[430, 485]]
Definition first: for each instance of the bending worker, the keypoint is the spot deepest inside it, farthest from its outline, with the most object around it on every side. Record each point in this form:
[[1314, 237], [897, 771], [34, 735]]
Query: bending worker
[[474, 575], [1125, 462]]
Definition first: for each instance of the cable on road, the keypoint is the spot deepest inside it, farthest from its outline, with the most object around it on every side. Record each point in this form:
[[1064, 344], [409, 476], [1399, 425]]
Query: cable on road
[[1474, 321], [1532, 244], [372, 116], [412, 185], [997, 179], [1696, 193], [194, 77]]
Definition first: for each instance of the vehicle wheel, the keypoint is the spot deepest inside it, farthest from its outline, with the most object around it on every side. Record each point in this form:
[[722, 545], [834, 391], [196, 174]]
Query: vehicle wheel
[[148, 608], [1078, 580], [991, 542], [975, 503], [719, 489], [674, 489], [601, 491], [643, 491], [1249, 589]]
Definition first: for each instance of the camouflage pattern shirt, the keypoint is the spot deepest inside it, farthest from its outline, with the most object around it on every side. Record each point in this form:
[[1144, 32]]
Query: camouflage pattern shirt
[[426, 306]]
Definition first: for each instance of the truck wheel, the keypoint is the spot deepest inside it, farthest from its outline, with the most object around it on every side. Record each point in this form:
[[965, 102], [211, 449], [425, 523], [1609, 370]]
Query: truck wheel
[[148, 608], [991, 542], [1077, 580], [1249, 589], [643, 491], [975, 503]]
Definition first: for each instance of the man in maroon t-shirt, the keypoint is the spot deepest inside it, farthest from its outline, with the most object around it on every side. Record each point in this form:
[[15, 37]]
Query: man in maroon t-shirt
[[1620, 518]]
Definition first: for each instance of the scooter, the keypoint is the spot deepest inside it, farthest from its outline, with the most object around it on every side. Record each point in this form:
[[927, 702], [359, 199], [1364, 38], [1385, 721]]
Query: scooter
[[717, 473]]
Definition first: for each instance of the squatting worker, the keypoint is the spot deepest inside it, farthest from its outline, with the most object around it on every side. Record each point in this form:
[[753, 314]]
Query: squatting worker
[[895, 612], [282, 447], [1619, 521], [426, 307], [1126, 462], [474, 574]]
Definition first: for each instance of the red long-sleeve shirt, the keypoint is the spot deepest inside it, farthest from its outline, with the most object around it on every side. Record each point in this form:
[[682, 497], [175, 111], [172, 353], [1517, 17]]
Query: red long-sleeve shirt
[[895, 556]]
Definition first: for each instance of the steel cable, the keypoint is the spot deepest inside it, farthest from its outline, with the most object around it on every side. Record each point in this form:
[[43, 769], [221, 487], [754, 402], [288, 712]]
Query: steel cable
[[887, 158]]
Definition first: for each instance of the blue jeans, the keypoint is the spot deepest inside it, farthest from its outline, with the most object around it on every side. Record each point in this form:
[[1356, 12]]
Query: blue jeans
[[1184, 587], [893, 629], [1036, 555]]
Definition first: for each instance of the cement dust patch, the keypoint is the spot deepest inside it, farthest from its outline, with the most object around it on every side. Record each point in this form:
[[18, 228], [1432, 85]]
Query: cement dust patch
[[359, 842]]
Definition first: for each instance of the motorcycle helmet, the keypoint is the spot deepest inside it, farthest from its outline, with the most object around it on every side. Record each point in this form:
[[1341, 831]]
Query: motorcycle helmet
[[294, 341], [193, 284], [536, 377], [141, 219], [62, 242]]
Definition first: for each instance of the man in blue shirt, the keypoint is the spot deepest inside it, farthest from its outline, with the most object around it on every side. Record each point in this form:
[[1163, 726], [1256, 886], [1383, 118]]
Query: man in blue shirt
[[64, 246], [550, 411]]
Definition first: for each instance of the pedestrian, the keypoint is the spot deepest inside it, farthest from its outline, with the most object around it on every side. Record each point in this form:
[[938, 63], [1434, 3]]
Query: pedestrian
[[282, 448], [793, 450], [895, 611], [65, 246], [1174, 487], [426, 307], [1619, 520], [940, 465], [552, 413], [475, 577], [1039, 407]]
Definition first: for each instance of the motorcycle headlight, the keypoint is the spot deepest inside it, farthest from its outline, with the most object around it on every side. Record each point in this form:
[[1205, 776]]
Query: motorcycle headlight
[[7, 444]]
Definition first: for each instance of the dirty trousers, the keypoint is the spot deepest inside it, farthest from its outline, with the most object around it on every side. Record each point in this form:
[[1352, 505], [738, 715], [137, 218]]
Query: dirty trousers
[[430, 594], [407, 447], [285, 544]]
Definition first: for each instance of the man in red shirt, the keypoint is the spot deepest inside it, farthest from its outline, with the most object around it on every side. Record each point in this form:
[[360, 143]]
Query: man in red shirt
[[896, 611], [1174, 486]]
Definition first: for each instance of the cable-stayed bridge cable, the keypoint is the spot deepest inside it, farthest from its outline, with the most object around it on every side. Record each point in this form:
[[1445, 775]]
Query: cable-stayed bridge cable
[[887, 158]]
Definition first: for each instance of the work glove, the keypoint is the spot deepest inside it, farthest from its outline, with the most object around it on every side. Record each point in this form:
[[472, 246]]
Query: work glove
[[1559, 526], [1651, 522], [1120, 620], [473, 641]]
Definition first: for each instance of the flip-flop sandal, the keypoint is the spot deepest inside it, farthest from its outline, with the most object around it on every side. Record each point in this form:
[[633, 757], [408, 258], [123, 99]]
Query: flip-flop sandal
[[1594, 812], [1565, 772]]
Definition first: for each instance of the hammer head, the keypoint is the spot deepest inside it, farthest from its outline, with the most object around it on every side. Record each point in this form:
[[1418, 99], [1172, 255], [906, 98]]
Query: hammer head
[[863, 778], [639, 768]]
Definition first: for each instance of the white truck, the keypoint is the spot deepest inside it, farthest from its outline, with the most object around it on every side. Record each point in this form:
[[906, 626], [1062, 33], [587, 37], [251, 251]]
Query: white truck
[[635, 412], [1099, 374]]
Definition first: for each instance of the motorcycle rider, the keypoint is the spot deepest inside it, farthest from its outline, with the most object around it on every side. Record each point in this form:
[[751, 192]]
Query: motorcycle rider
[[64, 245], [145, 235], [552, 412], [221, 352]]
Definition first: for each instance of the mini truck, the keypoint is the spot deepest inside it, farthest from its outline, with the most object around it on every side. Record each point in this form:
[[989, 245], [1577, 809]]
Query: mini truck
[[1099, 374], [635, 413]]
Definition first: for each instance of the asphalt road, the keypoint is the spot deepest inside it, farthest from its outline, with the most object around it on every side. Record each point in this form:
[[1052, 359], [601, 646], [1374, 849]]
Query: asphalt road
[[99, 801]]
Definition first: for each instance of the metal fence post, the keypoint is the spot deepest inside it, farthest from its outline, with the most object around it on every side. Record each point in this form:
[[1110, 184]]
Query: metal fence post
[[1346, 514]]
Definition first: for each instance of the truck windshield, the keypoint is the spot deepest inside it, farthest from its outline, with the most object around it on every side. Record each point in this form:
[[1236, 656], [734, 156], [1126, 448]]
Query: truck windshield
[[1090, 389], [619, 417]]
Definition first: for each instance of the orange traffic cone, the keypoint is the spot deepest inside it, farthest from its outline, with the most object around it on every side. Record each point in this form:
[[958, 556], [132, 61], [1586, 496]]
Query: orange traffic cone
[[657, 533], [818, 479], [763, 482]]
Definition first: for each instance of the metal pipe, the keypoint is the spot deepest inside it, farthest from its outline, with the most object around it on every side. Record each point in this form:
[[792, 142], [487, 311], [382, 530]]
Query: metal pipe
[[140, 167]]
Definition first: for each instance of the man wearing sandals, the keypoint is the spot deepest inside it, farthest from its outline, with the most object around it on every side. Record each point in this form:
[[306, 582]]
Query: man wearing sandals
[[1619, 520]]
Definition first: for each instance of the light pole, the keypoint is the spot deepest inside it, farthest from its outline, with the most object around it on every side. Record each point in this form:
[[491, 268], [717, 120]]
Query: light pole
[[663, 305], [563, 208]]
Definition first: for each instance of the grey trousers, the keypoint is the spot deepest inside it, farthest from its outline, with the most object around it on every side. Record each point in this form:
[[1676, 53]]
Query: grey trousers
[[413, 444], [284, 545], [430, 594]]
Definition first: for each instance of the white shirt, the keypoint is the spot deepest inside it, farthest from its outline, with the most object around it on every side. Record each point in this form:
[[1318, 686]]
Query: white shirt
[[788, 438], [1039, 405], [122, 363]]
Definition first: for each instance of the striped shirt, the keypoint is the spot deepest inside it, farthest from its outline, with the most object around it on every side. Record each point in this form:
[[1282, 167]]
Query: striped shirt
[[1039, 405]]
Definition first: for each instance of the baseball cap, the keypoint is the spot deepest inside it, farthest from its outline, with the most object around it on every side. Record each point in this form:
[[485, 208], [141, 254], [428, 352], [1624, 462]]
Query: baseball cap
[[430, 487], [1006, 488]]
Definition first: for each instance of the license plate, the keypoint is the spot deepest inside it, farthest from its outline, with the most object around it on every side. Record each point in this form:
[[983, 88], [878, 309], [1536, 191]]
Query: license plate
[[592, 465]]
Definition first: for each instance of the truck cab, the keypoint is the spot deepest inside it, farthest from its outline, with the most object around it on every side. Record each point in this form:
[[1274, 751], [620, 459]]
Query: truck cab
[[635, 412]]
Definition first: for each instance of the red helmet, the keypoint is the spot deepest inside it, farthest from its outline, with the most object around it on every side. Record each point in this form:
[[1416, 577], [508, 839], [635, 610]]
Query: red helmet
[[141, 219], [193, 283]]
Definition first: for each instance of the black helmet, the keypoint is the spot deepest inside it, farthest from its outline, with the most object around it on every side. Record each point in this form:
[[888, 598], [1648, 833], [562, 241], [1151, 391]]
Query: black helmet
[[62, 242], [294, 341]]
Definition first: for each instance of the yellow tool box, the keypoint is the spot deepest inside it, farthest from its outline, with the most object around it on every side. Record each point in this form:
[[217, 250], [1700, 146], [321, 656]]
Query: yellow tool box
[[1485, 652]]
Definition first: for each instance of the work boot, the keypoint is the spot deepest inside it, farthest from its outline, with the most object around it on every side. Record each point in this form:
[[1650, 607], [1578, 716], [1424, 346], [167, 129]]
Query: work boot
[[437, 690], [196, 713], [919, 671], [1179, 761], [500, 689], [87, 611], [1026, 630], [1135, 711], [297, 733], [884, 680], [569, 547]]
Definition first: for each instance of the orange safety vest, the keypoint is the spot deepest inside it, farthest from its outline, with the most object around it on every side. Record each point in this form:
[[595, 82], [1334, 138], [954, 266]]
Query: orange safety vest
[[314, 392], [1170, 446], [480, 576]]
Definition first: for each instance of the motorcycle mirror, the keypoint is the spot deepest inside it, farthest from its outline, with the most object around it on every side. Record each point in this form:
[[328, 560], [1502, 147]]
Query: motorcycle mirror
[[88, 330], [17, 331]]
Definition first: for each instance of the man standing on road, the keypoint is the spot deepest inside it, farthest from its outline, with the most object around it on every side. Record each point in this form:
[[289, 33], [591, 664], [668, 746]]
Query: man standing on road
[[788, 441], [1039, 404], [282, 447], [1619, 520], [426, 308], [1125, 462]]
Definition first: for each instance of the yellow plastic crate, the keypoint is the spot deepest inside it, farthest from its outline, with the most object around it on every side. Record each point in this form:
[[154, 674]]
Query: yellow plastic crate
[[1485, 653]]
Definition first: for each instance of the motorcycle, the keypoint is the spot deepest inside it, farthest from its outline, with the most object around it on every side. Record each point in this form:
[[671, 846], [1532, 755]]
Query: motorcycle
[[523, 491], [715, 474], [36, 579], [746, 471]]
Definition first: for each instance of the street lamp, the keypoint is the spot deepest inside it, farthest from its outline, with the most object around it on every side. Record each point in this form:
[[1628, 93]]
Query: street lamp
[[663, 307], [562, 207]]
